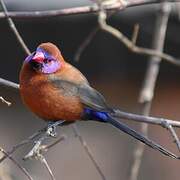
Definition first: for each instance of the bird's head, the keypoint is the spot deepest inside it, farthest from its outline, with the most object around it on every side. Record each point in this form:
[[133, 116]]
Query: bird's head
[[46, 59]]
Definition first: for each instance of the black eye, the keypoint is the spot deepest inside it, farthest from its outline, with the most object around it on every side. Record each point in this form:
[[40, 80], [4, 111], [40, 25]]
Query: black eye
[[46, 61]]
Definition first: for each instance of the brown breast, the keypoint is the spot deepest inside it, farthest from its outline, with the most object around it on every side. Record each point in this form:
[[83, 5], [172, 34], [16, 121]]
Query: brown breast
[[45, 100]]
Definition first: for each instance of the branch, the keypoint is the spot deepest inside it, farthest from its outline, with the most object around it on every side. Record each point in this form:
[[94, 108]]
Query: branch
[[22, 143], [9, 84], [47, 147], [130, 45], [44, 148], [85, 43], [38, 148], [119, 5], [88, 151], [146, 119]]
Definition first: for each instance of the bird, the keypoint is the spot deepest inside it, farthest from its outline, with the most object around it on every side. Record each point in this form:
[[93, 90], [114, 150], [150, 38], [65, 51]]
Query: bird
[[55, 91]]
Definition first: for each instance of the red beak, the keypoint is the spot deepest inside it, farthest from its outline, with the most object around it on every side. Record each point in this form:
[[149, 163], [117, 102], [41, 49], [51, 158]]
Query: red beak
[[38, 57]]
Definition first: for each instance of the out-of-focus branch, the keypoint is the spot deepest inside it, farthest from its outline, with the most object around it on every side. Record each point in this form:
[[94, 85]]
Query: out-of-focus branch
[[14, 29], [147, 91], [119, 5], [85, 43], [26, 173], [130, 45]]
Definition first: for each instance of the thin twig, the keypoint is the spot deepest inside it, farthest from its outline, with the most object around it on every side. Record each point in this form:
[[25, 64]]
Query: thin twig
[[47, 147], [17, 164], [88, 151], [174, 135], [5, 101], [14, 29], [135, 33], [131, 46], [85, 43]]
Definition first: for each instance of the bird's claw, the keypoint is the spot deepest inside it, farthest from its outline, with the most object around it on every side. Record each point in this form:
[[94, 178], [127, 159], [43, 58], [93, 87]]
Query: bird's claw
[[51, 131]]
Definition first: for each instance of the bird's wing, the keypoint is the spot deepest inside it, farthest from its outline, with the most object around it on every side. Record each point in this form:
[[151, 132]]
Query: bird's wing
[[92, 98], [87, 95]]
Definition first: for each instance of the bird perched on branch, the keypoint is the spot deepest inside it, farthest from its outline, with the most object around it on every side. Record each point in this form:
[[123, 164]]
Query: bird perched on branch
[[55, 90]]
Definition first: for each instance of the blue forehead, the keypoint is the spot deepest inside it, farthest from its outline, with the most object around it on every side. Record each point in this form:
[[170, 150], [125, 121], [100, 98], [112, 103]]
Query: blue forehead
[[46, 54]]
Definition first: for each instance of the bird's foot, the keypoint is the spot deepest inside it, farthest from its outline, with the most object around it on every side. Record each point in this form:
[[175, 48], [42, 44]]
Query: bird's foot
[[51, 129]]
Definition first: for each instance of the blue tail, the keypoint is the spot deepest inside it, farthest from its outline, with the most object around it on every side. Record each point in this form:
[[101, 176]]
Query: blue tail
[[105, 117]]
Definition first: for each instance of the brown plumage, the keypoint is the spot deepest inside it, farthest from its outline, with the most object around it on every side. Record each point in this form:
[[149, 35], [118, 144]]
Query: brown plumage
[[43, 98]]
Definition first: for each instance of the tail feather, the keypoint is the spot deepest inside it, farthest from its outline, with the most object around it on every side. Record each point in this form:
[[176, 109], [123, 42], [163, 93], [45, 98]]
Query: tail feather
[[121, 126]]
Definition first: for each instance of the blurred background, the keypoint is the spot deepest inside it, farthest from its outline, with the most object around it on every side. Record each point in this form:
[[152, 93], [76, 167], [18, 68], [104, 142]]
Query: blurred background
[[113, 70]]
